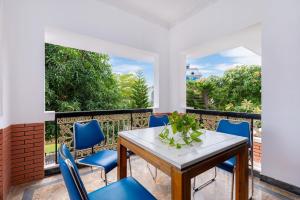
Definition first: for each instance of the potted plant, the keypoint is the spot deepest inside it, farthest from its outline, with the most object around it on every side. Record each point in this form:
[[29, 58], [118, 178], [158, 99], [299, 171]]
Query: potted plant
[[185, 130]]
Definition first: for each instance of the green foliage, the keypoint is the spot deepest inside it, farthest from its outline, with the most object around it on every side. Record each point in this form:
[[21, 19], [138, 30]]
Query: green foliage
[[246, 106], [186, 125], [125, 84], [79, 80], [198, 93], [50, 130], [140, 92], [238, 90]]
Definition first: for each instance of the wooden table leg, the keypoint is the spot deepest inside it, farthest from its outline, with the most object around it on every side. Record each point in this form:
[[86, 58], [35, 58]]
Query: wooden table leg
[[241, 190], [180, 185], [122, 160]]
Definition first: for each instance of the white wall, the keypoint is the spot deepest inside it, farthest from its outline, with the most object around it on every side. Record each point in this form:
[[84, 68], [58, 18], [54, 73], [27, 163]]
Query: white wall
[[27, 23], [218, 20], [4, 75], [280, 90], [249, 38]]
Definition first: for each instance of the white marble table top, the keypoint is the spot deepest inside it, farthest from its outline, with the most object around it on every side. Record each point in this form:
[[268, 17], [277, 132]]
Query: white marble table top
[[212, 144]]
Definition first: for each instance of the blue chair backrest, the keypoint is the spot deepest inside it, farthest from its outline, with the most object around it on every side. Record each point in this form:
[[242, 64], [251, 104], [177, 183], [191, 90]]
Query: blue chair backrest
[[158, 120], [70, 174], [87, 135], [241, 128]]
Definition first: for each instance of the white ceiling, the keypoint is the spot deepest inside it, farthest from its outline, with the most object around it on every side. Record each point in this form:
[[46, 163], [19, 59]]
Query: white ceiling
[[164, 12]]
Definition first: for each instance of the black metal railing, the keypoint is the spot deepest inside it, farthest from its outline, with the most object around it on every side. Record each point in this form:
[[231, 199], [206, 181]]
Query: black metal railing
[[210, 119], [111, 121]]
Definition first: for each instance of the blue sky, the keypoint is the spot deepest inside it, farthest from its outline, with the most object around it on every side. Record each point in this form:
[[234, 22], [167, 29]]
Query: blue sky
[[121, 65], [217, 64]]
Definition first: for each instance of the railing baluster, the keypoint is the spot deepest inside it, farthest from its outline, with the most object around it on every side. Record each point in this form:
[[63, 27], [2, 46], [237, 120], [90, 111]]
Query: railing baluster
[[131, 121], [56, 138], [252, 131], [107, 134], [113, 134]]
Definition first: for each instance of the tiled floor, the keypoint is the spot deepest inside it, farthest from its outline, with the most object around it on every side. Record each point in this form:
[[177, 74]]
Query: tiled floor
[[53, 187]]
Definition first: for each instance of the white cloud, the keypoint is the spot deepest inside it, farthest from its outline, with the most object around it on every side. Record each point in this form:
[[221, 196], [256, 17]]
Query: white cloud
[[243, 56], [125, 69], [206, 71], [201, 68], [224, 67], [195, 66]]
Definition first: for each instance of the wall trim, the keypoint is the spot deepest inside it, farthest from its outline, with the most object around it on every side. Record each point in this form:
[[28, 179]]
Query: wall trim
[[286, 186]]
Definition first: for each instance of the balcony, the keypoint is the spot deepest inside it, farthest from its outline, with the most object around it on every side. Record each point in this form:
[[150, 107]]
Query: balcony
[[113, 121], [171, 36]]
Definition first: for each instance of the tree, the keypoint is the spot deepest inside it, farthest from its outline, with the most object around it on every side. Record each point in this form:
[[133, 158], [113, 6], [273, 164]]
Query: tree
[[238, 84], [199, 93], [79, 80], [239, 89], [140, 92], [194, 95], [125, 85]]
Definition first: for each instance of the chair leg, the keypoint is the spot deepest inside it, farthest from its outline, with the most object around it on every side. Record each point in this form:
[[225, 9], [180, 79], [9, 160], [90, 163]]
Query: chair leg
[[155, 174], [232, 184], [105, 178], [130, 170], [252, 176], [206, 183]]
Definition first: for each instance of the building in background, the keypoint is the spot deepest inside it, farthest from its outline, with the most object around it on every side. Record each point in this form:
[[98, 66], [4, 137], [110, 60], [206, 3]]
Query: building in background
[[192, 73]]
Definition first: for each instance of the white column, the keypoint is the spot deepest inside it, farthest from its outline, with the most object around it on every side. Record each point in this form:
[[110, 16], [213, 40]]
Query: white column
[[281, 90]]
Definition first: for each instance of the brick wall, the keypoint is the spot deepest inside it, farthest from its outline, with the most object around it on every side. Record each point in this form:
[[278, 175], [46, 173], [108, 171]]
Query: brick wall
[[257, 151], [21, 155], [27, 152], [1, 163], [6, 156], [5, 161]]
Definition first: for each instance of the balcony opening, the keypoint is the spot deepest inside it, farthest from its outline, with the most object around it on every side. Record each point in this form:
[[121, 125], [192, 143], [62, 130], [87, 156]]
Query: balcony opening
[[84, 79], [228, 82]]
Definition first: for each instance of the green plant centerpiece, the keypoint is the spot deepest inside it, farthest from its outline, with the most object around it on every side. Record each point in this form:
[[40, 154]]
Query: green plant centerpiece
[[185, 130]]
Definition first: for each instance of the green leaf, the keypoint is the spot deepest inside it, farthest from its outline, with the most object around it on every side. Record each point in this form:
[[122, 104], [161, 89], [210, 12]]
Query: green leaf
[[162, 136], [174, 128], [172, 142], [196, 134], [197, 140]]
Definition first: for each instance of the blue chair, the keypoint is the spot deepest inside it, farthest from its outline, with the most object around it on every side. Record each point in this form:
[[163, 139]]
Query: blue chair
[[125, 189], [234, 128], [156, 121], [87, 135]]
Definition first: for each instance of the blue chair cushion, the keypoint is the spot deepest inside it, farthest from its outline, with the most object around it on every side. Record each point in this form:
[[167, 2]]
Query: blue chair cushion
[[108, 159], [87, 135], [125, 189], [228, 165], [159, 120]]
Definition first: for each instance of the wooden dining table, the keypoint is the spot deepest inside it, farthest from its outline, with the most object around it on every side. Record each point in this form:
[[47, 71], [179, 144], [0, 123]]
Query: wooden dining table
[[187, 162]]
